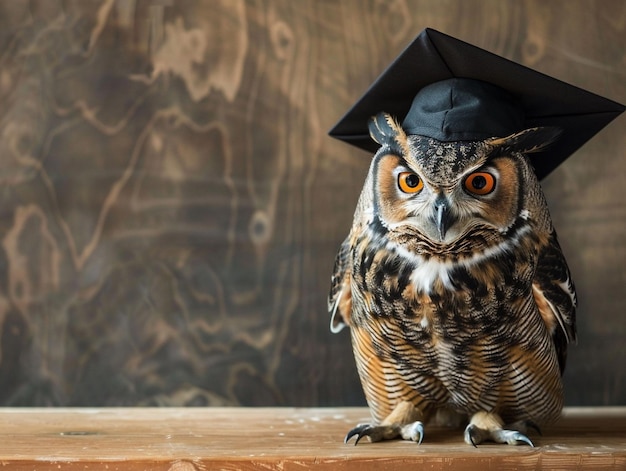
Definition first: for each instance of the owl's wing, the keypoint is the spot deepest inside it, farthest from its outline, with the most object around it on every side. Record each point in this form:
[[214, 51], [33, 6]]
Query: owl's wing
[[340, 297], [555, 296]]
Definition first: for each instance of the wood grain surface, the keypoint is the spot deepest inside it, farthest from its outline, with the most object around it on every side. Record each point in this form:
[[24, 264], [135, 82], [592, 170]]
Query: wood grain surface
[[188, 439], [171, 204]]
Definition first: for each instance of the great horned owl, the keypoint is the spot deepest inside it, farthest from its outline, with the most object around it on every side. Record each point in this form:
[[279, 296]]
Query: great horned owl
[[454, 287]]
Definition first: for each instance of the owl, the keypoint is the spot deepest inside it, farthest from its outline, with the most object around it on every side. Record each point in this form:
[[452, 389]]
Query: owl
[[454, 287]]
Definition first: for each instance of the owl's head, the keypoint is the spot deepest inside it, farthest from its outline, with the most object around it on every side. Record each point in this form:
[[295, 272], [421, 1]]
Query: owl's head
[[444, 190]]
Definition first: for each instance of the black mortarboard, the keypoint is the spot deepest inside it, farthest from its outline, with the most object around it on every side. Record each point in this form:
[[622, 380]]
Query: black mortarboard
[[426, 87]]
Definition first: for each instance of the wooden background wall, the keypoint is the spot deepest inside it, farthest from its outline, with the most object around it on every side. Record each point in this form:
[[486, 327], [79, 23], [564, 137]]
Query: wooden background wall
[[170, 204]]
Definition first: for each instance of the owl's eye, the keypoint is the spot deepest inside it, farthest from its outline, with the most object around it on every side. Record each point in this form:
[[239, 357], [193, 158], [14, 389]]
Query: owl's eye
[[480, 183], [409, 182]]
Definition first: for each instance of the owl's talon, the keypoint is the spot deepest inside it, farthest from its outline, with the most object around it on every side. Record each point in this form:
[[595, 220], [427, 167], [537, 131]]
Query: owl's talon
[[361, 430], [512, 437], [355, 431], [471, 440], [413, 432], [475, 436]]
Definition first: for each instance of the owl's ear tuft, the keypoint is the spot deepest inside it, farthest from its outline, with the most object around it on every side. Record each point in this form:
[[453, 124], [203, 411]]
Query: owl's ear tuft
[[529, 140], [385, 130]]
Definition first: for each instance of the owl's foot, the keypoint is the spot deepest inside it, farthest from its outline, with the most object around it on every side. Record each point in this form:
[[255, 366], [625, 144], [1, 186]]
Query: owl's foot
[[376, 433], [404, 422], [486, 426]]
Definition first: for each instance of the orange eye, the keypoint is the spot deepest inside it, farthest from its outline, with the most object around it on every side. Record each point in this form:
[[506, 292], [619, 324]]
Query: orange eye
[[480, 183], [409, 182]]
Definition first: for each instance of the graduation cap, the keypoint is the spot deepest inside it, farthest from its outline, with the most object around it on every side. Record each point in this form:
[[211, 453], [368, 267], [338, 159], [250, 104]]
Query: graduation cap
[[447, 89]]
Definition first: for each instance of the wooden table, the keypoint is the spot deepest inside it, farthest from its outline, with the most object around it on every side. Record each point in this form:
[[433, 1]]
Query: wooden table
[[178, 439]]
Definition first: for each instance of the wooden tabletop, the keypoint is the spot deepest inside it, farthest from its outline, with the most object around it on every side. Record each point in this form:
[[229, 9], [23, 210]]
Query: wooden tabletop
[[187, 439]]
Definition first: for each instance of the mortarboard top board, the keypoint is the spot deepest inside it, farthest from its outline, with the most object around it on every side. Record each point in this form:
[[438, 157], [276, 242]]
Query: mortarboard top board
[[434, 57]]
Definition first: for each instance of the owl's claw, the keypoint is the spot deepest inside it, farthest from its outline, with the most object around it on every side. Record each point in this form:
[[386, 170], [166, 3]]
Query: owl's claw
[[360, 431], [413, 432], [513, 437], [475, 436], [375, 433]]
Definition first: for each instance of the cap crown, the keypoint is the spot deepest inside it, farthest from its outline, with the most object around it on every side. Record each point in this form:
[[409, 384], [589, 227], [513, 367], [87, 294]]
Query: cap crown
[[461, 109]]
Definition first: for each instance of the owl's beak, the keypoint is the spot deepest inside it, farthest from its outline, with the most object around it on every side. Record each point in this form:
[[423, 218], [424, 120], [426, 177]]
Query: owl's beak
[[443, 218]]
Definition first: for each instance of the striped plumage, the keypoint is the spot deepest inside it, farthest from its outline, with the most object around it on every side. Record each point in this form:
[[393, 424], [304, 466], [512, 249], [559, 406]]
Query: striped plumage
[[457, 302]]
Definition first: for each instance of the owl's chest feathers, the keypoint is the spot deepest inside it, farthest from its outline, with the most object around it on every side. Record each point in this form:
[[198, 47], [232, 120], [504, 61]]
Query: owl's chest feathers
[[477, 281], [457, 326]]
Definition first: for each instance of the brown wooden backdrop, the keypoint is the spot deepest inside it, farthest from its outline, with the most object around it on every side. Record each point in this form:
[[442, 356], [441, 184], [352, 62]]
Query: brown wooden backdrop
[[170, 204]]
